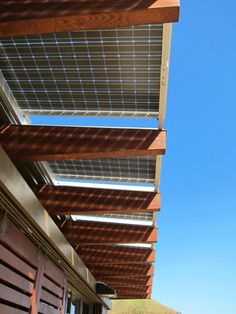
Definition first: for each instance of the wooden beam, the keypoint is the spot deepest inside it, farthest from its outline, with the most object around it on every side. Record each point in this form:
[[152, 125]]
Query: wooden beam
[[82, 233], [63, 200], [42, 143], [132, 296], [122, 270], [129, 283], [132, 290], [127, 280], [29, 17], [110, 254], [148, 296]]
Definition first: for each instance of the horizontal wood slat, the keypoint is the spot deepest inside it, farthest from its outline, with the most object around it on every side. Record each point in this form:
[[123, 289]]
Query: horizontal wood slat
[[5, 309], [16, 280], [49, 298], [22, 285], [34, 17], [63, 200], [43, 143], [13, 296], [9, 258], [54, 273], [49, 285], [24, 248], [46, 309]]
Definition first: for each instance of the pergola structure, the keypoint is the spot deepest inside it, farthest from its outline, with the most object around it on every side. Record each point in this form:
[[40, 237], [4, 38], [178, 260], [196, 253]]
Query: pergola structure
[[92, 59]]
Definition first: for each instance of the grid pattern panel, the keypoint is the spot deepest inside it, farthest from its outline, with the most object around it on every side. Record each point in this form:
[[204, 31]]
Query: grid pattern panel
[[135, 216], [111, 72], [130, 169]]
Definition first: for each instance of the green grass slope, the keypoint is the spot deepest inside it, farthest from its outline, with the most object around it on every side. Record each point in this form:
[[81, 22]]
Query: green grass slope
[[139, 307]]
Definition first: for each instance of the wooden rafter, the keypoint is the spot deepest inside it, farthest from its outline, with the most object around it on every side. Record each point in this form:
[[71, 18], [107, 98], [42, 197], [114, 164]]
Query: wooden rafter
[[131, 290], [125, 281], [134, 296], [33, 17], [42, 143], [110, 254], [122, 270], [63, 200], [82, 233]]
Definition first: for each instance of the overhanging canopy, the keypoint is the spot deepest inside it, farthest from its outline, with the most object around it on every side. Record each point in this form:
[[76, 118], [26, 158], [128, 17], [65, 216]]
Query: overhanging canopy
[[90, 59]]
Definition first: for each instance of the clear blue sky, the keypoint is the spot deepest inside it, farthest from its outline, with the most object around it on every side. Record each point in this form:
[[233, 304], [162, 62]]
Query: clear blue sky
[[196, 251]]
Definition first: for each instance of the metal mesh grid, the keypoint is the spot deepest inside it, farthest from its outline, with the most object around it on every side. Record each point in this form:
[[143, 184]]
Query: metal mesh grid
[[111, 72], [130, 169]]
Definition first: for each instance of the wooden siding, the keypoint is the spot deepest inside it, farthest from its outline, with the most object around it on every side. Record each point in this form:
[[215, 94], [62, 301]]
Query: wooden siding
[[29, 281]]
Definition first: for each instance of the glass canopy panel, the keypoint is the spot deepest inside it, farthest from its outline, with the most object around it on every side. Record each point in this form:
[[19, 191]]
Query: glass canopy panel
[[110, 72]]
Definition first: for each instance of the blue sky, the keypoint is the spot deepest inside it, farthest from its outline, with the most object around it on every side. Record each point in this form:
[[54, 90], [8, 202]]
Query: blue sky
[[196, 251]]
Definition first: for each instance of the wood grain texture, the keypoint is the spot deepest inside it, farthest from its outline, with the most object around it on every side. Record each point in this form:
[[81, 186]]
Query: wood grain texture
[[114, 281], [15, 262], [50, 286], [24, 249], [49, 299], [43, 143], [133, 296], [47, 309], [80, 233], [5, 309], [110, 254], [28, 17], [11, 277], [15, 297], [122, 270], [62, 200], [130, 290], [54, 273]]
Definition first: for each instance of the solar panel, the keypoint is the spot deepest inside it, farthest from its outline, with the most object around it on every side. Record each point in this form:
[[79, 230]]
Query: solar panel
[[129, 169], [110, 72], [133, 216]]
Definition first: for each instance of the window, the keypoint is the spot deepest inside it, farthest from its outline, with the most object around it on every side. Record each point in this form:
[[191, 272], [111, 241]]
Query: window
[[85, 308], [73, 306]]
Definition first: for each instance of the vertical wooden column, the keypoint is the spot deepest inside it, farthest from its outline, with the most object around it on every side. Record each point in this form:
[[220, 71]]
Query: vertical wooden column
[[38, 284]]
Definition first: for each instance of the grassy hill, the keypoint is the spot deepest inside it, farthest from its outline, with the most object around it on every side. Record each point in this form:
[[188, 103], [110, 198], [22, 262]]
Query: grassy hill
[[139, 307]]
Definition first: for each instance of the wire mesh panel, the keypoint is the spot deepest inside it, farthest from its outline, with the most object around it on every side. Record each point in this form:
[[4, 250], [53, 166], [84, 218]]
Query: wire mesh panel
[[110, 72], [130, 169]]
